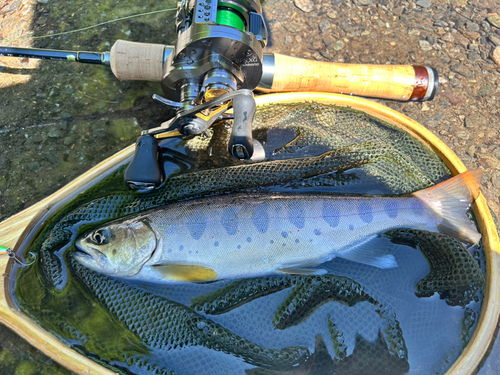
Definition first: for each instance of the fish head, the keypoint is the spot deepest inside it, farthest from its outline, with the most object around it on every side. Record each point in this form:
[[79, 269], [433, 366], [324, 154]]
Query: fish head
[[119, 249]]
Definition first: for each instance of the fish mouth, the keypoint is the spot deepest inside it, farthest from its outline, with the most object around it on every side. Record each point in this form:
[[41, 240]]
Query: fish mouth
[[87, 255]]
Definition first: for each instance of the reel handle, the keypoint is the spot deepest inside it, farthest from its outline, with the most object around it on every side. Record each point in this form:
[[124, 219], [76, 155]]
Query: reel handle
[[240, 143], [144, 173]]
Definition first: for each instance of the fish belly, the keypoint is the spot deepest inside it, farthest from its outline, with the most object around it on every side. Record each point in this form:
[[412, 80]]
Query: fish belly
[[246, 236]]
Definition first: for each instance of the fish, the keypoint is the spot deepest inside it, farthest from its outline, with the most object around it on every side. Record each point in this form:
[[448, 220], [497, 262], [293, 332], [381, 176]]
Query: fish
[[244, 235]]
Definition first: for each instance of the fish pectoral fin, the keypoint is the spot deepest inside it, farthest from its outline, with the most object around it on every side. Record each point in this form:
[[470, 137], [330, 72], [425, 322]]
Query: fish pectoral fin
[[370, 252], [302, 271], [185, 272]]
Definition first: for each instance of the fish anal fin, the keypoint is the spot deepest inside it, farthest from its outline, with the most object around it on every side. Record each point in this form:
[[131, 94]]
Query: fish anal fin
[[371, 252], [302, 271], [185, 272]]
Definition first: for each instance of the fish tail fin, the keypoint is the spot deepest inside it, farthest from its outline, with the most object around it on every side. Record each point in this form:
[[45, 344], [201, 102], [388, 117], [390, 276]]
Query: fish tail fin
[[450, 201]]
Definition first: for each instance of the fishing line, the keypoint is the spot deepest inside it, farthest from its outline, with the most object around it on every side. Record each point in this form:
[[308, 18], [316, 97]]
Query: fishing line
[[91, 27]]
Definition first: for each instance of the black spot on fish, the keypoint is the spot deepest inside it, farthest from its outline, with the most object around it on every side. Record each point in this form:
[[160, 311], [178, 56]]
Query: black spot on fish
[[284, 234], [317, 232]]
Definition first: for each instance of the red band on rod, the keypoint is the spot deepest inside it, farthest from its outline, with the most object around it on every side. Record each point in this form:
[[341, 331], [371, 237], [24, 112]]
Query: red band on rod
[[421, 83]]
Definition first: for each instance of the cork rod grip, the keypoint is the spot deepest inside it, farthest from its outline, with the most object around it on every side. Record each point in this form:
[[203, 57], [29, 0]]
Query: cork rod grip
[[137, 61], [397, 82]]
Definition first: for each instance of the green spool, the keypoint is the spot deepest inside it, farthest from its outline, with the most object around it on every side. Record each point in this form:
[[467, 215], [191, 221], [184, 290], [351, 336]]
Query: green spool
[[229, 18]]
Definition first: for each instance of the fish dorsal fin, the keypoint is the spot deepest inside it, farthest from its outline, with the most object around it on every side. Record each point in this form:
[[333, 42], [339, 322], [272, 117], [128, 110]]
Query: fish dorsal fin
[[370, 251], [450, 201], [185, 272]]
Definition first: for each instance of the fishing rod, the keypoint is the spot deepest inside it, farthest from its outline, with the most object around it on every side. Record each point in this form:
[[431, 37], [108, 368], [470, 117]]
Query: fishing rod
[[216, 63]]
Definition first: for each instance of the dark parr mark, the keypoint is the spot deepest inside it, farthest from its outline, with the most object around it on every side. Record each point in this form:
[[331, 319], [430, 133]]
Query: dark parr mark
[[260, 218], [296, 214], [417, 206], [330, 213], [196, 225], [391, 207], [366, 211], [230, 221]]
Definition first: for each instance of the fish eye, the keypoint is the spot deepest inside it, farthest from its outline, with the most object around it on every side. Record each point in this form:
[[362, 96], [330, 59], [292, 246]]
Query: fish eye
[[99, 237]]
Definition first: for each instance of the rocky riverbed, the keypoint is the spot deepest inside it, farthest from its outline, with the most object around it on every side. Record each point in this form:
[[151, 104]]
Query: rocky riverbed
[[58, 119]]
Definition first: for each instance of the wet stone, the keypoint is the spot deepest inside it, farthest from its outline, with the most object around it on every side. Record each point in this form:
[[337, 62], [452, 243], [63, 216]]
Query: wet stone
[[332, 15], [424, 3], [486, 26], [462, 70], [473, 56], [440, 23], [54, 133], [52, 158], [99, 133], [474, 120], [324, 25], [36, 138], [472, 26], [494, 20], [485, 90], [424, 45], [329, 41], [67, 117], [304, 5], [493, 39], [496, 54], [363, 2], [430, 39], [293, 27], [33, 165], [339, 45], [68, 141]]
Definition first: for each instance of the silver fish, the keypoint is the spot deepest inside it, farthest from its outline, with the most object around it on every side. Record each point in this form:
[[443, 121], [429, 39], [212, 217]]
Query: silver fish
[[249, 235]]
